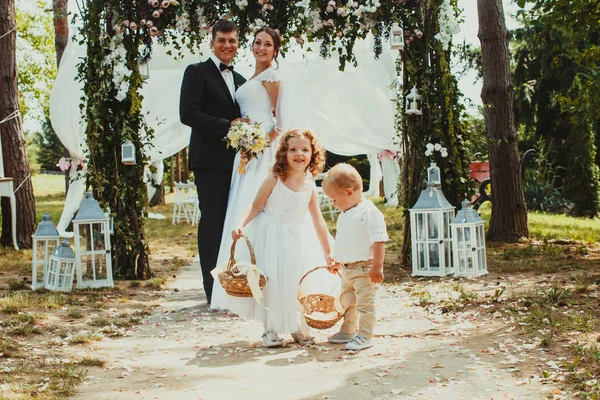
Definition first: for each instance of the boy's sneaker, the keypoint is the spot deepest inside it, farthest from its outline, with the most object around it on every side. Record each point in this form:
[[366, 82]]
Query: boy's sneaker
[[302, 339], [359, 343], [341, 337], [271, 339]]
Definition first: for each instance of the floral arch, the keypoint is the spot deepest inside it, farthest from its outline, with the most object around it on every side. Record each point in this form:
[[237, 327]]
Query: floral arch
[[119, 35]]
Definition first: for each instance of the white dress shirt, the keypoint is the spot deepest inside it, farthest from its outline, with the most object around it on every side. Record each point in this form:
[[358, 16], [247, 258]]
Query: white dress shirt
[[227, 76], [357, 229]]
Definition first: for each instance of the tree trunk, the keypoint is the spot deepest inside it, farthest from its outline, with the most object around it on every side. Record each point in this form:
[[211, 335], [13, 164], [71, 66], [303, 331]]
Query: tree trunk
[[184, 160], [61, 36], [172, 174], [159, 196], [14, 150], [61, 27], [509, 214], [178, 166]]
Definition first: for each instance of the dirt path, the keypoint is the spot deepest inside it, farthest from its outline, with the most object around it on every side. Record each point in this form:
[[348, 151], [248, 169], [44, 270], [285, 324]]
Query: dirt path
[[182, 351]]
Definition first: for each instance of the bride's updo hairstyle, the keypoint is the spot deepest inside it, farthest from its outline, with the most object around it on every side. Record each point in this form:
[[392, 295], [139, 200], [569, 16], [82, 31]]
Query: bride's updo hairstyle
[[317, 159], [276, 40]]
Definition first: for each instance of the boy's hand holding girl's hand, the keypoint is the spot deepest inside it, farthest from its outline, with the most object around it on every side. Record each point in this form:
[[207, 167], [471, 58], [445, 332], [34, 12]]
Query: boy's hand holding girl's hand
[[376, 274]]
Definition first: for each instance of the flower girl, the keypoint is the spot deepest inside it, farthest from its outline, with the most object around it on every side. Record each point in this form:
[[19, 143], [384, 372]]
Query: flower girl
[[284, 238]]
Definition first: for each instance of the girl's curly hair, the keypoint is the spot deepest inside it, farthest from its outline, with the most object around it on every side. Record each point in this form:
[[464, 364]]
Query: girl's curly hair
[[317, 159]]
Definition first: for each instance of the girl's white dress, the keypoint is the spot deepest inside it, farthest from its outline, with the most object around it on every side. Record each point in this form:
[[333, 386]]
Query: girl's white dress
[[286, 247]]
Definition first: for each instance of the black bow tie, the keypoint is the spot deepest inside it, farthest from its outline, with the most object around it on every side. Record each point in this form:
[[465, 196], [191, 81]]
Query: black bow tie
[[223, 67]]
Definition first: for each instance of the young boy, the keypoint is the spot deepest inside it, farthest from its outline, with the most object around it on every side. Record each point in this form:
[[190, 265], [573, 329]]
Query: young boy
[[358, 251]]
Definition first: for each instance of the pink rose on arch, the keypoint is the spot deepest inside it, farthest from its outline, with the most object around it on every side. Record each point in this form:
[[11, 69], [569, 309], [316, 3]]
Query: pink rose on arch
[[64, 164], [133, 26], [149, 24], [155, 14], [153, 31], [155, 3], [164, 4]]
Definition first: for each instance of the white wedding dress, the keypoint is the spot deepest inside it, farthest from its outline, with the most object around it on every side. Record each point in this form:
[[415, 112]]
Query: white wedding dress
[[255, 104]]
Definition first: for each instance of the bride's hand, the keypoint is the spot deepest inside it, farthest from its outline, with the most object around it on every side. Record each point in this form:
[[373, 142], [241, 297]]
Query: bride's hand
[[244, 157], [237, 233], [273, 135]]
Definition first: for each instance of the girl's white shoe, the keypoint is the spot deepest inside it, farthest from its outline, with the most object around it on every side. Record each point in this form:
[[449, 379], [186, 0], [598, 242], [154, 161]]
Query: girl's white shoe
[[271, 339]]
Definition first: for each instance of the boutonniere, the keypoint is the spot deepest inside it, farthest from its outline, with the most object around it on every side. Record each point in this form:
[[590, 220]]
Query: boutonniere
[[238, 86]]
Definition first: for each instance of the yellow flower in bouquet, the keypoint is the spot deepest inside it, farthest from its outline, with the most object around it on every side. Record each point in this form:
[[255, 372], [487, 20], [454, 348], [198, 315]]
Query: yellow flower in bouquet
[[248, 137]]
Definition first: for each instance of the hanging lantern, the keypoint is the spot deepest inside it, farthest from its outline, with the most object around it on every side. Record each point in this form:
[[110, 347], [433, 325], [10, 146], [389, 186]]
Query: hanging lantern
[[468, 242], [396, 37], [144, 69], [128, 153], [431, 242], [433, 174], [92, 245], [412, 102], [60, 268], [45, 242]]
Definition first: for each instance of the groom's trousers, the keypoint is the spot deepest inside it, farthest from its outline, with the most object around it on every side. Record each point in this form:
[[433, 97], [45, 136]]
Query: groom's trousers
[[213, 191]]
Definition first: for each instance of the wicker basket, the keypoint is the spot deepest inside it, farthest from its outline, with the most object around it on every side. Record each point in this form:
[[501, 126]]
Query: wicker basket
[[323, 303], [237, 285]]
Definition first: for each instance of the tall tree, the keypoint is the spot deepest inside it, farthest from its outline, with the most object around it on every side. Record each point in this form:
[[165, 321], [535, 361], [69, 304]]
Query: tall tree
[[61, 36], [14, 151], [61, 27], [509, 213]]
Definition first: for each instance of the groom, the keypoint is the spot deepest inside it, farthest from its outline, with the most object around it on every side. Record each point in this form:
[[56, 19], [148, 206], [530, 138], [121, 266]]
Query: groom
[[207, 105]]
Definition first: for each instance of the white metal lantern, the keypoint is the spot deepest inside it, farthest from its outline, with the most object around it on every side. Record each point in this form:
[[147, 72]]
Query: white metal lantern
[[468, 242], [61, 268], [92, 245], [431, 239], [412, 102], [128, 153], [45, 242], [396, 37]]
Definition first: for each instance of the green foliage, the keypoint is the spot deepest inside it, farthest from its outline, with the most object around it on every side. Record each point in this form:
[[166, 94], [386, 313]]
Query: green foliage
[[539, 183], [557, 91], [36, 59], [427, 66], [49, 148]]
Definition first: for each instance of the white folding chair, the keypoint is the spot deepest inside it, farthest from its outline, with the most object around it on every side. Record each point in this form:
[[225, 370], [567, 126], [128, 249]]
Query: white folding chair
[[186, 203], [325, 204]]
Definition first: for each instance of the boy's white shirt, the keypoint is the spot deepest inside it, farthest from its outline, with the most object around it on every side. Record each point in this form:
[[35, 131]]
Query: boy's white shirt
[[357, 229]]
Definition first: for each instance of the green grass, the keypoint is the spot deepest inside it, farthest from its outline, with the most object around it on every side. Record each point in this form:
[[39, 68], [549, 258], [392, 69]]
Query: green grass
[[545, 226]]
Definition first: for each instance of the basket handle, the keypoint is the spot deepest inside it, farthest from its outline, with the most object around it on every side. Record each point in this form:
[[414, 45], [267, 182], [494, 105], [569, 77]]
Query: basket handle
[[232, 261], [313, 270]]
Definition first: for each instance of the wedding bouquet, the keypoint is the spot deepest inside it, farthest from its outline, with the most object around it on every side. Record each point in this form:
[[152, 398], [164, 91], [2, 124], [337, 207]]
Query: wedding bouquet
[[247, 137]]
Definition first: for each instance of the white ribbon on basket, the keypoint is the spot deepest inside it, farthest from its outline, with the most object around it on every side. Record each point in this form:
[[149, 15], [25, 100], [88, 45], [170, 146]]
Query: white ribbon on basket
[[252, 275]]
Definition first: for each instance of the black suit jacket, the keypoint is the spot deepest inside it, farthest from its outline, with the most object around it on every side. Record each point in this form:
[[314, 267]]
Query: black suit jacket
[[206, 106]]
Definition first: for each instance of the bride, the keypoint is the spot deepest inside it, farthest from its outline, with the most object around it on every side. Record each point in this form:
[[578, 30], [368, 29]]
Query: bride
[[258, 101]]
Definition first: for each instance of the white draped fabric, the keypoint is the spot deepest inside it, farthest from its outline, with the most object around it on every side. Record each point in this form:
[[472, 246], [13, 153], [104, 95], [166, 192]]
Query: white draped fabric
[[351, 110]]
